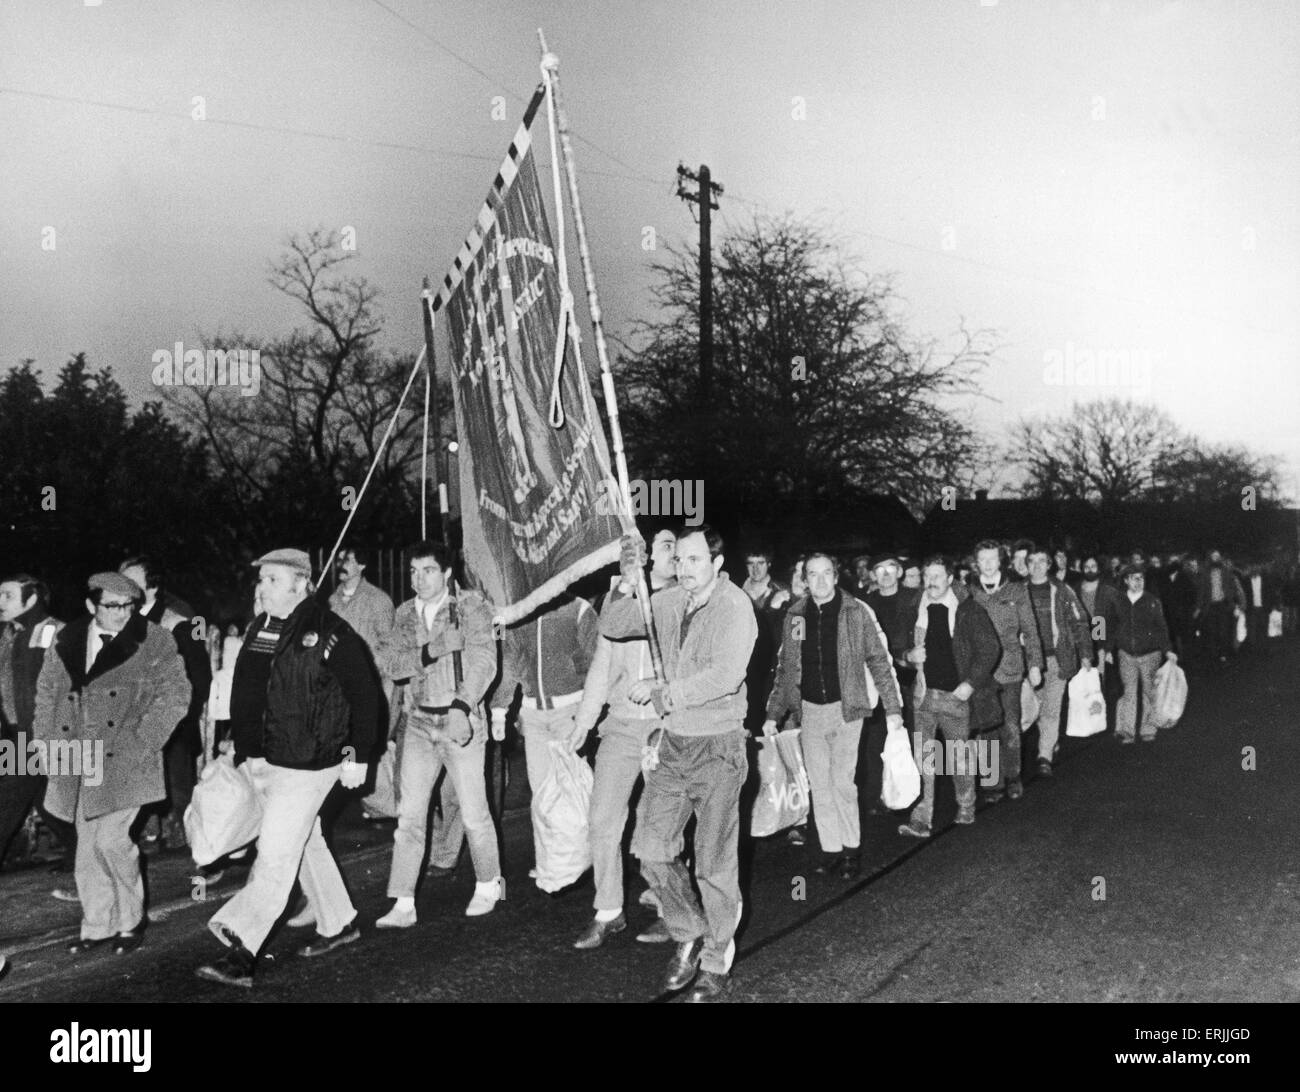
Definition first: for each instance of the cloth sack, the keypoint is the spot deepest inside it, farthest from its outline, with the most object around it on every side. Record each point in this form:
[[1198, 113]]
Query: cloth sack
[[560, 805], [224, 813], [900, 782], [1171, 694], [1087, 706], [1275, 623], [1029, 706], [383, 801], [783, 784]]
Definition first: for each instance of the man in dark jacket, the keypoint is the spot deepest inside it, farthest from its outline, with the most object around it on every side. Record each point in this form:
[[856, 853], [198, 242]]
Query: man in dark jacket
[[1178, 598], [1066, 641], [1142, 639], [956, 651], [1100, 601], [830, 645], [26, 632], [1007, 604], [304, 714], [187, 741]]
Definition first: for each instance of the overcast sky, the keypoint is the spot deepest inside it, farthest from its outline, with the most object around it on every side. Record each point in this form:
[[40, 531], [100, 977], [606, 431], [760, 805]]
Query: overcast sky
[[1081, 176]]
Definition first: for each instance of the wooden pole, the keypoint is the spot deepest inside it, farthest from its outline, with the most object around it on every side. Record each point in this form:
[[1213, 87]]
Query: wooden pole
[[706, 285], [551, 73], [431, 411]]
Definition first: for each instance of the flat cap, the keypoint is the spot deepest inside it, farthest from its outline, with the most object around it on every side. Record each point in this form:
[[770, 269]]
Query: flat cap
[[116, 584], [1130, 569], [291, 559], [881, 559]]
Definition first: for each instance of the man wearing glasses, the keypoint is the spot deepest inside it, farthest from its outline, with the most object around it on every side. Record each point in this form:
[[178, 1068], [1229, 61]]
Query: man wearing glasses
[[114, 688]]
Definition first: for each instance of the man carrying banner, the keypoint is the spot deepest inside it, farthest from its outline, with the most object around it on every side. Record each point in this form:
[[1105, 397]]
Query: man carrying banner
[[708, 629], [445, 729], [616, 667]]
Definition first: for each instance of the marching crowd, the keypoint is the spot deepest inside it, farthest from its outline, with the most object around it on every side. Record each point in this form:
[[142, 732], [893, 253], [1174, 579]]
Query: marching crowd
[[313, 694]]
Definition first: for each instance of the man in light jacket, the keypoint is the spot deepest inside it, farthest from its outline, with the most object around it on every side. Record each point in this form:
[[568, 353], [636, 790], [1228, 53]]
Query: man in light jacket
[[707, 631], [615, 668]]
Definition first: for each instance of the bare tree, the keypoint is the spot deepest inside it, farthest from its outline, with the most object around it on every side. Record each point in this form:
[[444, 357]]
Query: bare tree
[[819, 394], [326, 397], [1112, 450]]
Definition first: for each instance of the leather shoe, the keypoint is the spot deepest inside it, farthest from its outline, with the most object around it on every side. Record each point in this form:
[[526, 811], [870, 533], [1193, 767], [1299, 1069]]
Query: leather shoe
[[83, 944], [684, 965], [1015, 790], [597, 932], [320, 945], [235, 968], [850, 866], [128, 941], [656, 934], [708, 985]]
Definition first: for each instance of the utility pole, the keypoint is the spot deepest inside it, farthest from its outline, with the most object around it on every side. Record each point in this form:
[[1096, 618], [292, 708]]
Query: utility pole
[[704, 196]]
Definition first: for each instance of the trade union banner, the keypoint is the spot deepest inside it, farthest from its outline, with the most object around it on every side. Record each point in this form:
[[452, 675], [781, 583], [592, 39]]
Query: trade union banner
[[530, 487]]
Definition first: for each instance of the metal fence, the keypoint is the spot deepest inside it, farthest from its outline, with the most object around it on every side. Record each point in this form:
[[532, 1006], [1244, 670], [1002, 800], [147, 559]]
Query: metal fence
[[387, 571]]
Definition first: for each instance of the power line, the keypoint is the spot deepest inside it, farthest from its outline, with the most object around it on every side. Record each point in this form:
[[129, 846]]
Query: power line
[[265, 127], [500, 85]]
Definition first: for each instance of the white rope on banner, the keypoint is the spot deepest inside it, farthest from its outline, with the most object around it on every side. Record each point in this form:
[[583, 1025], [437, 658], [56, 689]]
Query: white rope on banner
[[568, 320], [562, 269], [373, 463]]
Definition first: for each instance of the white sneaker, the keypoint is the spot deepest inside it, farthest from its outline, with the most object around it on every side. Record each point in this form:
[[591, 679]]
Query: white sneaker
[[486, 896], [397, 919]]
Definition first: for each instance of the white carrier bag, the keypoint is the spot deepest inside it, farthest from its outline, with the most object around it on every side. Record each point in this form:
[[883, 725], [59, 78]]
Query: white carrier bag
[[561, 802], [900, 782], [1087, 705], [1171, 694], [224, 813]]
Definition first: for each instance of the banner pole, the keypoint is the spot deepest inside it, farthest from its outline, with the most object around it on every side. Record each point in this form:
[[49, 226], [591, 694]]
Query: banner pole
[[551, 74], [431, 413]]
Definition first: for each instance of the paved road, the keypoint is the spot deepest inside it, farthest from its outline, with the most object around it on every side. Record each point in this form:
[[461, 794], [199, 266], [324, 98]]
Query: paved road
[[1202, 888]]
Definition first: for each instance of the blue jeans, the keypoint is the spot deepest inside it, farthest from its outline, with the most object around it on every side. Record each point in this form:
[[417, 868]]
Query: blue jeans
[[700, 776], [423, 760], [1137, 673], [939, 712]]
